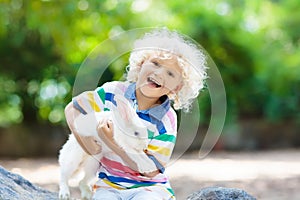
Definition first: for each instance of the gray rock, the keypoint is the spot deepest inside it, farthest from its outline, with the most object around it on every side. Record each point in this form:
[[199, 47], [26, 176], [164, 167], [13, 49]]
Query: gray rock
[[220, 193], [13, 186]]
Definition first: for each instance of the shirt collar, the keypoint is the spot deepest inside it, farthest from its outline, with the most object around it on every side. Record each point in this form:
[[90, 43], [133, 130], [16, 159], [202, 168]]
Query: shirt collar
[[158, 112]]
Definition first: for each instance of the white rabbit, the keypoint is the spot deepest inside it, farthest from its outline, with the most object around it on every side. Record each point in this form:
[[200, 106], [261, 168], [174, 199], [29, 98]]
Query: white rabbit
[[130, 133]]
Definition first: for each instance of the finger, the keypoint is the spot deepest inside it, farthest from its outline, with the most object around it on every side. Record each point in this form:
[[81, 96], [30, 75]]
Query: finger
[[110, 124], [101, 121], [107, 126], [100, 127]]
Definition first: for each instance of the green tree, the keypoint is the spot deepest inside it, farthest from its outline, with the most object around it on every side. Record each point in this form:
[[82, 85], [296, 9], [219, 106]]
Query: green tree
[[254, 44]]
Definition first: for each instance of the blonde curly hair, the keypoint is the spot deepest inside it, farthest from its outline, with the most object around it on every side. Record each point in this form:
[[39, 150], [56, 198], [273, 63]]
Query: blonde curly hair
[[163, 43]]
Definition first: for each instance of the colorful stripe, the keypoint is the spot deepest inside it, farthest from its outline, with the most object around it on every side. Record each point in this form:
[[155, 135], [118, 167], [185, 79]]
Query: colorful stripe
[[172, 120], [92, 102], [159, 125], [113, 185], [166, 138], [161, 150], [150, 134], [101, 94], [110, 97], [118, 179], [78, 107], [171, 191], [117, 169], [121, 86], [140, 185], [144, 116], [118, 166]]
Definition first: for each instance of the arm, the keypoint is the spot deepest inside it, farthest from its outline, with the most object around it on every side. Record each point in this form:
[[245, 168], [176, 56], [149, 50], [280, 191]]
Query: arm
[[87, 102], [105, 132], [88, 144]]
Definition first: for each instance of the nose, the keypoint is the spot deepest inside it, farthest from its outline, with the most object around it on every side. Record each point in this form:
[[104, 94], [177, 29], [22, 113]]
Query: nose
[[159, 73]]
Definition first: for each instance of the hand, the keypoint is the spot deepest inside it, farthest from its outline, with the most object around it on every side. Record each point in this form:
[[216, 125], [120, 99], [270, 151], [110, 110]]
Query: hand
[[105, 131], [151, 174], [89, 144]]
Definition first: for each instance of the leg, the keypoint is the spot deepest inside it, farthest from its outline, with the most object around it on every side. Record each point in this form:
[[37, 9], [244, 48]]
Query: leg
[[146, 195], [71, 155], [91, 166], [106, 194]]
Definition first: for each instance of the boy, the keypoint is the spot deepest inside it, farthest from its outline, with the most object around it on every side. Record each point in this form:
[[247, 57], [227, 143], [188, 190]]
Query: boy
[[164, 68]]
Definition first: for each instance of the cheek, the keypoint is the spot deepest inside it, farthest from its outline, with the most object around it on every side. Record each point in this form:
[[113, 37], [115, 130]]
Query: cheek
[[144, 70], [140, 72], [172, 84]]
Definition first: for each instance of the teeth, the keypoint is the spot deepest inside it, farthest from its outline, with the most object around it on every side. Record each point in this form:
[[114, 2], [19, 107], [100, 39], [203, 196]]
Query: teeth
[[154, 81]]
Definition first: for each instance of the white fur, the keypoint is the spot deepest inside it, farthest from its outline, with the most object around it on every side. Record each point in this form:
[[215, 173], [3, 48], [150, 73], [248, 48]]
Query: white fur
[[130, 133]]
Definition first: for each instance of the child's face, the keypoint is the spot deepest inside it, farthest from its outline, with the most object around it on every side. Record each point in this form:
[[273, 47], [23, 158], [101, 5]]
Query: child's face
[[159, 77]]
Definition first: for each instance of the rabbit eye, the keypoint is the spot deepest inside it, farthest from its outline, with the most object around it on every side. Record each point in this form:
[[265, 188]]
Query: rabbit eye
[[136, 133]]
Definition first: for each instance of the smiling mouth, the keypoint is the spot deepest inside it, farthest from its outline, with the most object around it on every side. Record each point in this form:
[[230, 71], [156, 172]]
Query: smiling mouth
[[153, 82]]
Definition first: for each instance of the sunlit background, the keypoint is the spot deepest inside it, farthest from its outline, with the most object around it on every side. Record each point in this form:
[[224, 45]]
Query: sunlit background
[[255, 45]]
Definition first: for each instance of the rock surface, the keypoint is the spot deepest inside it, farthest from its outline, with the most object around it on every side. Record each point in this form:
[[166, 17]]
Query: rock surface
[[220, 193], [13, 186]]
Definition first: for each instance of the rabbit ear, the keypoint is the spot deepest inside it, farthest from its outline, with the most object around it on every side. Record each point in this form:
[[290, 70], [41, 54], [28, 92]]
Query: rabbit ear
[[124, 109]]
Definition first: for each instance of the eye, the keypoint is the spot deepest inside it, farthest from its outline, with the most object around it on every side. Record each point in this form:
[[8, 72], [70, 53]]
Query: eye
[[170, 73], [155, 63], [136, 133]]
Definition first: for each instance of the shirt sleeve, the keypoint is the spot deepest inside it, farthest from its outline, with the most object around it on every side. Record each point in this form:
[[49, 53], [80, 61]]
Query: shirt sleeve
[[101, 99], [161, 145]]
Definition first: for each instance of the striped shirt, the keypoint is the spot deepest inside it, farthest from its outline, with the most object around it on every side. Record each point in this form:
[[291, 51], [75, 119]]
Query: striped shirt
[[162, 123]]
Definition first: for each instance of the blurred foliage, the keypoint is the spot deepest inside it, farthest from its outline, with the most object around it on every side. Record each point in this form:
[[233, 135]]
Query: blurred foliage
[[255, 45]]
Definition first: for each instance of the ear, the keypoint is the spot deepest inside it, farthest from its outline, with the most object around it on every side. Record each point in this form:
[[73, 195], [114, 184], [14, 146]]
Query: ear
[[124, 109]]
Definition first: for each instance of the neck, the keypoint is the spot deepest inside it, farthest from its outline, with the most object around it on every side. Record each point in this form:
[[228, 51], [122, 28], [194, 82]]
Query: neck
[[145, 102]]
